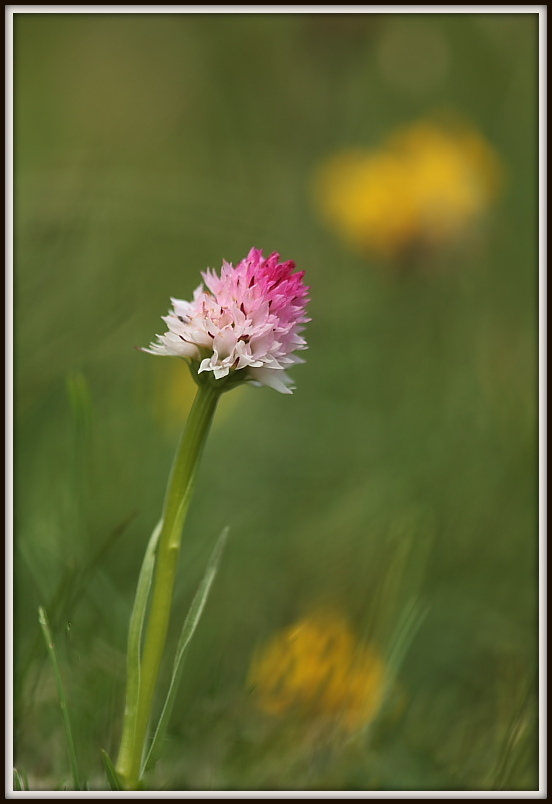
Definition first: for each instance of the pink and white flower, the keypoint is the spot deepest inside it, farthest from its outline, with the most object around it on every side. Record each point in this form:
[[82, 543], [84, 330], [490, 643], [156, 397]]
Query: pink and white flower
[[245, 326]]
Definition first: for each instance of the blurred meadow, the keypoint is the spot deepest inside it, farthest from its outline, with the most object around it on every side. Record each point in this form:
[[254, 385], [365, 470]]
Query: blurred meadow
[[374, 623]]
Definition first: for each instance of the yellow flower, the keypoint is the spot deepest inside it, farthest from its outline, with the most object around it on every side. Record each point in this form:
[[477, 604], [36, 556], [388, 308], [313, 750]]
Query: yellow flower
[[425, 187], [317, 667]]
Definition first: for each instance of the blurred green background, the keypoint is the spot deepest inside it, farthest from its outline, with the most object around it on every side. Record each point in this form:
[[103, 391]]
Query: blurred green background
[[147, 148]]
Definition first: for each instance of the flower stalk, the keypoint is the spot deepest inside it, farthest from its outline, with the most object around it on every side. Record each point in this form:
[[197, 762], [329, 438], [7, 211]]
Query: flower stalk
[[244, 328], [177, 500]]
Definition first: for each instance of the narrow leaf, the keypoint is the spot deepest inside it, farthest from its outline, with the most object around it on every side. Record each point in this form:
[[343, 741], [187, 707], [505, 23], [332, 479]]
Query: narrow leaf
[[110, 772], [45, 625], [188, 629], [136, 626]]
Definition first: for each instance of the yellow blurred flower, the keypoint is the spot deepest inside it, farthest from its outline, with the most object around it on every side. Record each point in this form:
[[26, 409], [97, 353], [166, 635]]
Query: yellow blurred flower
[[317, 667], [425, 187]]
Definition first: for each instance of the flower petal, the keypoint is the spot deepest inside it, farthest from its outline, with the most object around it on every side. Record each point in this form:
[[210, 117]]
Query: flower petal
[[278, 380]]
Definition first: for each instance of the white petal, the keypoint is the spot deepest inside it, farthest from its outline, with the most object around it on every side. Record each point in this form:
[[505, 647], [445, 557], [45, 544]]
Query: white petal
[[156, 349], [205, 365], [176, 346], [224, 342], [271, 378], [181, 307]]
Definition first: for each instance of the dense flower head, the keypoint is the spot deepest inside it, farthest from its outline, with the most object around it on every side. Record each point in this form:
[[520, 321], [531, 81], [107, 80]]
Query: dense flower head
[[244, 326], [424, 187]]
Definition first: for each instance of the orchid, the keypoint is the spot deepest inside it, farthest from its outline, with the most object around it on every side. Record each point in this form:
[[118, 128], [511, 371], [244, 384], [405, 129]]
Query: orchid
[[244, 327]]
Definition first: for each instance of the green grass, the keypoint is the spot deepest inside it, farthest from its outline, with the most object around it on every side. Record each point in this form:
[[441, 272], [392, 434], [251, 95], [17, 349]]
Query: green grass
[[149, 147]]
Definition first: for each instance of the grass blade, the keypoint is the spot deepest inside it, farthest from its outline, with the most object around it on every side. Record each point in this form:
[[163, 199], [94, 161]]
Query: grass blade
[[517, 738], [71, 588], [20, 781], [136, 626], [188, 629], [45, 625], [412, 617], [110, 772]]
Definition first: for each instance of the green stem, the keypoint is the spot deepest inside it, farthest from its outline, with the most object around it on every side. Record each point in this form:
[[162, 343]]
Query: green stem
[[177, 501]]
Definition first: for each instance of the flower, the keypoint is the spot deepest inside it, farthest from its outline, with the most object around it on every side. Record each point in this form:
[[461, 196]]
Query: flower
[[318, 668], [244, 327], [425, 187]]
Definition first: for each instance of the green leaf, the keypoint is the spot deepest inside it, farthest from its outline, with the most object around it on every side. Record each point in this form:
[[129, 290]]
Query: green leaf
[[186, 635], [136, 627], [45, 625], [110, 772]]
